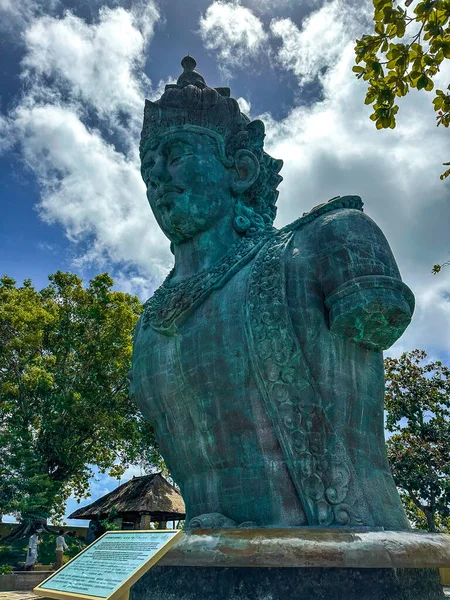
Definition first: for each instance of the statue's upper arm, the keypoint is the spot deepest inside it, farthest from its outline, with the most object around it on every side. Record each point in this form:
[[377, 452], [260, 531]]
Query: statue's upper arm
[[362, 288]]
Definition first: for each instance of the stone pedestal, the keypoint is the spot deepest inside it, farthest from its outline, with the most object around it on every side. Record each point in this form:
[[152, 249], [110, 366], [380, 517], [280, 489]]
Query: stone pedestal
[[247, 583], [299, 564]]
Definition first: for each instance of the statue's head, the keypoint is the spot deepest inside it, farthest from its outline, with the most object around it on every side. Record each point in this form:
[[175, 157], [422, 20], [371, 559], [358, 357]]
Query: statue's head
[[202, 159]]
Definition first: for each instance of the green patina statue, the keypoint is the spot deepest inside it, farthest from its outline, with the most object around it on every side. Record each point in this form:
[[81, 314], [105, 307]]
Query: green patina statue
[[259, 359]]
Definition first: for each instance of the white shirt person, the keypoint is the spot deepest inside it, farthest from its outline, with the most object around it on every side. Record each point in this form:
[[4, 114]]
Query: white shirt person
[[60, 547]]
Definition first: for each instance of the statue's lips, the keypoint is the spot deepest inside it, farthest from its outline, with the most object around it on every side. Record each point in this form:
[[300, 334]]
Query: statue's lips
[[163, 197]]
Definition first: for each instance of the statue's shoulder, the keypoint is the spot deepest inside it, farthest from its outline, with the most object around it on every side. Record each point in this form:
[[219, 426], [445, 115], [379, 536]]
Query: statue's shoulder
[[339, 202]]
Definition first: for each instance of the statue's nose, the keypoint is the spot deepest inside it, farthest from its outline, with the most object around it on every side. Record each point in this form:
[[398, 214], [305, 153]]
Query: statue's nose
[[159, 173]]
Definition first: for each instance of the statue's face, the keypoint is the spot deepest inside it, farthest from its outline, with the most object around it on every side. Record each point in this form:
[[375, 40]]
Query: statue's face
[[188, 186]]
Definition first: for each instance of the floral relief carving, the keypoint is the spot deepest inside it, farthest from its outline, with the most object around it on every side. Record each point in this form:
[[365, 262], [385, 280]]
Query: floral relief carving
[[318, 461]]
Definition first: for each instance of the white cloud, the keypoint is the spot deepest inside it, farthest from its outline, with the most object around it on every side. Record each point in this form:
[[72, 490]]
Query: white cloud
[[233, 32], [244, 105], [332, 148], [88, 186], [98, 64], [320, 40], [6, 140], [134, 283]]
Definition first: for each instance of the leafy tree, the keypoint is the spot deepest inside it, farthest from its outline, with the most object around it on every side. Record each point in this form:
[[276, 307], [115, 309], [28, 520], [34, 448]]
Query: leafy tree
[[64, 407], [418, 411], [417, 516], [437, 268], [412, 63]]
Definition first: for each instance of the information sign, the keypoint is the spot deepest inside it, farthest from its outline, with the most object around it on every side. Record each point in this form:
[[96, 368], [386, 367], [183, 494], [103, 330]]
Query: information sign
[[110, 566]]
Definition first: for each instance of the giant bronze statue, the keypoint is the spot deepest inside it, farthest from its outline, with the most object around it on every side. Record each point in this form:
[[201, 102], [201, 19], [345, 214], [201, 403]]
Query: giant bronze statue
[[259, 360]]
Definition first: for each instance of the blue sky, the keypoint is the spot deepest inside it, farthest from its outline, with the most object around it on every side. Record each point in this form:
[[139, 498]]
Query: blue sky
[[74, 75]]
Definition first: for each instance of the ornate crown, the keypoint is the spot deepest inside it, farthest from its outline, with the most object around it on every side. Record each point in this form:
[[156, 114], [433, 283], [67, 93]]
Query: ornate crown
[[191, 102]]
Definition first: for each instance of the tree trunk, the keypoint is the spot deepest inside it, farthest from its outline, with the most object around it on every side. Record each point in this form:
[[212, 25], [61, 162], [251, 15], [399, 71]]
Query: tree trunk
[[431, 523], [26, 529]]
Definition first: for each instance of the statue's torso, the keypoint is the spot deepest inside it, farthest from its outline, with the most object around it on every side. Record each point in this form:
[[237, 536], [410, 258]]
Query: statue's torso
[[214, 432], [261, 412]]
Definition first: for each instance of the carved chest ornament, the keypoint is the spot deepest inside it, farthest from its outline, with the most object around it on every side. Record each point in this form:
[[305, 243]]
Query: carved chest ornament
[[170, 305]]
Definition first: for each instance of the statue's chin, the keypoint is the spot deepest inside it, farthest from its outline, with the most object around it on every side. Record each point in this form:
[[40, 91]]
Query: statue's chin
[[176, 235], [180, 230]]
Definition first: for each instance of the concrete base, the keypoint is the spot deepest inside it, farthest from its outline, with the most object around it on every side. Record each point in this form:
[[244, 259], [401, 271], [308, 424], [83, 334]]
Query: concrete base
[[250, 583], [309, 547], [22, 580], [299, 564]]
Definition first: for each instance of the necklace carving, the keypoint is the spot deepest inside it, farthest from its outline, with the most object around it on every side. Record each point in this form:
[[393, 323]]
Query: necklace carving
[[171, 304]]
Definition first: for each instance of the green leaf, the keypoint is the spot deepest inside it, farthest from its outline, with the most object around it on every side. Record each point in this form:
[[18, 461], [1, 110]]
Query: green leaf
[[379, 4], [370, 97], [414, 77], [422, 82], [400, 65], [391, 30], [439, 56], [443, 13], [428, 60], [445, 174], [402, 88], [377, 68], [418, 65], [401, 28]]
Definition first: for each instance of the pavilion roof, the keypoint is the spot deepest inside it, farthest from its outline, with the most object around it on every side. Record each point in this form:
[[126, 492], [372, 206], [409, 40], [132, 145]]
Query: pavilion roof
[[150, 494]]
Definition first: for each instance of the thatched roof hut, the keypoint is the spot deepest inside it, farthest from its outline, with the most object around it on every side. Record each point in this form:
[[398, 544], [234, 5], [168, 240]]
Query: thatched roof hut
[[138, 502]]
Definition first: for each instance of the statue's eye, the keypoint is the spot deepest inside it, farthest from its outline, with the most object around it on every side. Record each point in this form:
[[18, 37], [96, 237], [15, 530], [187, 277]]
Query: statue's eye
[[176, 160]]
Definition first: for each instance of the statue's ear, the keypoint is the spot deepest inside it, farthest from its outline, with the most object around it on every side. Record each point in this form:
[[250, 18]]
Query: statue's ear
[[246, 171]]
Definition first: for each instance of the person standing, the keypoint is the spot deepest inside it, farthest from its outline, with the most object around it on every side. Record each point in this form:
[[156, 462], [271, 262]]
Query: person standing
[[60, 547], [32, 551]]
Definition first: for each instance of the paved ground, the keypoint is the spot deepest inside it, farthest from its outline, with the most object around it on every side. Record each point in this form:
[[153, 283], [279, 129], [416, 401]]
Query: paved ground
[[31, 596], [18, 596]]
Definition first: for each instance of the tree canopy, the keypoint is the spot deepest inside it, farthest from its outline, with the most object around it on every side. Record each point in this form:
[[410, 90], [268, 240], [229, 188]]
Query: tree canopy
[[64, 406], [391, 67], [418, 416]]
